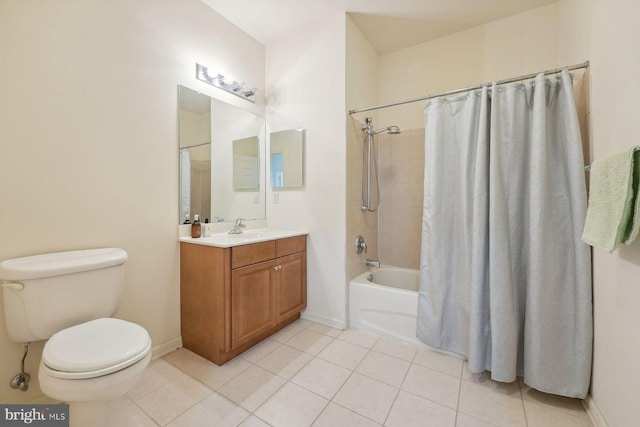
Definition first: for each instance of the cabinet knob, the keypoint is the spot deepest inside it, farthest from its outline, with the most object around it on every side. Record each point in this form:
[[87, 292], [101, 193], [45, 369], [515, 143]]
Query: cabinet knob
[[277, 267]]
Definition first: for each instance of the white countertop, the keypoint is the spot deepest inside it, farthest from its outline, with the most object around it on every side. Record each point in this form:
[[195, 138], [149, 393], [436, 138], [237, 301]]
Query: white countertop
[[247, 237]]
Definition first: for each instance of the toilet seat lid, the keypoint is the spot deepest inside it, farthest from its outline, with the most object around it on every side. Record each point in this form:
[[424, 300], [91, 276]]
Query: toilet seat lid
[[95, 348]]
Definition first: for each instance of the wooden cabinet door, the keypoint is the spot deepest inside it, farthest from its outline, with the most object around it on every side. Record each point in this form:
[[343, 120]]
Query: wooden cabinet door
[[291, 289], [253, 305]]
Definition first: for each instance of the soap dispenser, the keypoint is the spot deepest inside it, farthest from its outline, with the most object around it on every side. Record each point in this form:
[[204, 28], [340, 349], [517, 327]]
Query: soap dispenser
[[196, 227], [206, 228]]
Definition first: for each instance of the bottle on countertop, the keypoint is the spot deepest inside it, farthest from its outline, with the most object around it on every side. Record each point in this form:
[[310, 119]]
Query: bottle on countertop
[[196, 227], [206, 229]]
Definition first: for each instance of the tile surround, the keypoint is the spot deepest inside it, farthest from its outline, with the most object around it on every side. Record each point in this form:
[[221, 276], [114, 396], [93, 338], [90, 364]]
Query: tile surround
[[358, 222], [392, 234], [384, 382], [401, 194]]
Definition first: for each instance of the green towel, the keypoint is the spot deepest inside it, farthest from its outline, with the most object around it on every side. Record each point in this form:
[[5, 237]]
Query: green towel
[[613, 215]]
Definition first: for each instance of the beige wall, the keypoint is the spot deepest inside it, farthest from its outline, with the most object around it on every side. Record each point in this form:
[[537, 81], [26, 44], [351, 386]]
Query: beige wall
[[306, 89], [513, 46], [607, 33], [88, 140]]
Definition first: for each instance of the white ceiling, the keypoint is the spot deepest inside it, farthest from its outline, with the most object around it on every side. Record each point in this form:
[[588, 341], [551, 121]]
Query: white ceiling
[[388, 24]]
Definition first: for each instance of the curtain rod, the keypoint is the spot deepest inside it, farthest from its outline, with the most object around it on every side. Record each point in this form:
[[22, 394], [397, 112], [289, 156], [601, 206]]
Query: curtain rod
[[466, 89]]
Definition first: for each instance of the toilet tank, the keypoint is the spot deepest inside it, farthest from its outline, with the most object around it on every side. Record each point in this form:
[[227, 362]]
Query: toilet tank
[[46, 293]]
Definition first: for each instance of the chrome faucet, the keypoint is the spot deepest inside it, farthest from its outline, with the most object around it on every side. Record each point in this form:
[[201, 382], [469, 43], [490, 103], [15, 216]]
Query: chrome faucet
[[372, 262], [238, 226]]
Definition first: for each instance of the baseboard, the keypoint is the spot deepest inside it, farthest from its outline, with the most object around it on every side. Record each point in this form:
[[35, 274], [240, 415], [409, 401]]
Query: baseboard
[[157, 351], [162, 349], [44, 400], [334, 323], [594, 413]]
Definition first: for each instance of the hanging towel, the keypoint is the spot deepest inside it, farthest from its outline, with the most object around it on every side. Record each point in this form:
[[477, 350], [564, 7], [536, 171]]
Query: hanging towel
[[613, 215]]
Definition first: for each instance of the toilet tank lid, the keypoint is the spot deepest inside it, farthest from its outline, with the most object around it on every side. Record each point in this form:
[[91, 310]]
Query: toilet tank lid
[[59, 263]]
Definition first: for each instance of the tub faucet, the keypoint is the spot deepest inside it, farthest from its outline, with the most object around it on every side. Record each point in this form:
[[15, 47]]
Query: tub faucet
[[238, 226], [372, 262]]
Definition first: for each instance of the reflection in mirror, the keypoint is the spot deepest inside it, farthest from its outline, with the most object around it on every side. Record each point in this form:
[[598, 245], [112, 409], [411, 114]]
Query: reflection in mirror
[[194, 115], [229, 124], [195, 181], [246, 166], [216, 127], [287, 158]]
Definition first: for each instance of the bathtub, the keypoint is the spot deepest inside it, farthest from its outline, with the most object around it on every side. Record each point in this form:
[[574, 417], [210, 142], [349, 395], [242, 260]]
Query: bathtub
[[385, 301]]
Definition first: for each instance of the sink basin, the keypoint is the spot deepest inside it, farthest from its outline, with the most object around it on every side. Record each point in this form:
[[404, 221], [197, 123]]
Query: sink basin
[[256, 234]]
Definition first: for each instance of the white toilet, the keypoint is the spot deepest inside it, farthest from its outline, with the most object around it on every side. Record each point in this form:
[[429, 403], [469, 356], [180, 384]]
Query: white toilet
[[91, 360]]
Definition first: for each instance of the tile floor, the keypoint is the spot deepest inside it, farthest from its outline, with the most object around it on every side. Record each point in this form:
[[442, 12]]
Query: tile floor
[[308, 374]]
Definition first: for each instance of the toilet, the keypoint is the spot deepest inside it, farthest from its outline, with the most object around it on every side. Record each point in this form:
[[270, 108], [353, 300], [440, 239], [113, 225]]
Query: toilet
[[90, 360]]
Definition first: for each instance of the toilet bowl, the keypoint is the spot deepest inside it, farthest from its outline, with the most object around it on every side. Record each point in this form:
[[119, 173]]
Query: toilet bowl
[[90, 360], [92, 366], [97, 360]]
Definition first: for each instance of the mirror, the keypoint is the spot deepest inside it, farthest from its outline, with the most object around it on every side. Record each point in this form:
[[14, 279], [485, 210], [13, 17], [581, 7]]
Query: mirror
[[195, 181], [287, 158], [246, 164], [222, 159]]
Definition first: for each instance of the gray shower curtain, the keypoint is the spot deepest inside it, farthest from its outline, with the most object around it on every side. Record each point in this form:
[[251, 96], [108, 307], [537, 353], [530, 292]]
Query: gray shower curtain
[[504, 278]]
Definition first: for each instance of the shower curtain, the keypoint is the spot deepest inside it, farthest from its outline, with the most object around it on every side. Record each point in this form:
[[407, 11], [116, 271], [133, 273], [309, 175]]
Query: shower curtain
[[504, 278]]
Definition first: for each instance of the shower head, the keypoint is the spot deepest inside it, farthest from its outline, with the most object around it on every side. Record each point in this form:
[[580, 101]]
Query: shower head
[[368, 128], [393, 130]]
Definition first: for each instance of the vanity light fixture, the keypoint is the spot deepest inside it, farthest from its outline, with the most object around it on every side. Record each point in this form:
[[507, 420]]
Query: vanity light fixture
[[226, 83]]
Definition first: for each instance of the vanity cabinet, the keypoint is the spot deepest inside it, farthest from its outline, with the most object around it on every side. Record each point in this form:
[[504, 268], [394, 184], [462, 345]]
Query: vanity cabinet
[[253, 302], [232, 298]]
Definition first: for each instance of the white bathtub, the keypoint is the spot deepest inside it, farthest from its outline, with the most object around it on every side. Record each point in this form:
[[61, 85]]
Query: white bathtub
[[385, 301]]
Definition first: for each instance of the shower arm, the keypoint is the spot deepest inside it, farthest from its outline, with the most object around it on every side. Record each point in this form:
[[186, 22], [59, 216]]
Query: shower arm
[[375, 132]]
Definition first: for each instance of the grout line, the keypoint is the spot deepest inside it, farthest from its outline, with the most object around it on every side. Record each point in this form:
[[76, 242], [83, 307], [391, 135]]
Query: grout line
[[146, 413], [459, 397], [332, 339], [289, 380], [404, 378], [352, 371], [357, 413], [286, 380], [524, 410], [266, 400]]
